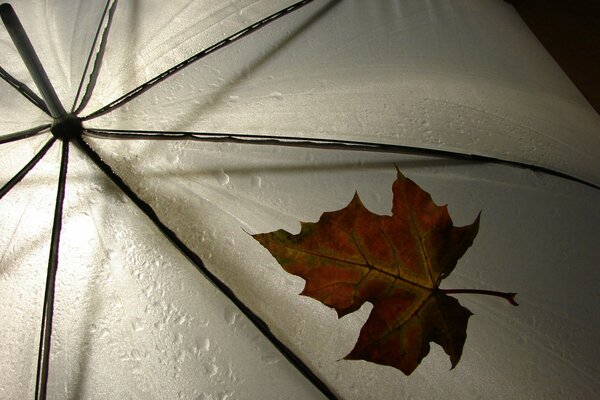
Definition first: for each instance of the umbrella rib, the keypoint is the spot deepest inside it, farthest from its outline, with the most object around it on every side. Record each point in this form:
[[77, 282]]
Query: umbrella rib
[[48, 310], [25, 170], [32, 62], [24, 90], [13, 137], [211, 49], [320, 143], [147, 209], [99, 44]]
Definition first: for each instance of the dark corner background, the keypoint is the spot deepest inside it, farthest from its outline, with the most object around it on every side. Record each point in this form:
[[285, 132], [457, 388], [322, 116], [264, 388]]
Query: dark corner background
[[570, 31]]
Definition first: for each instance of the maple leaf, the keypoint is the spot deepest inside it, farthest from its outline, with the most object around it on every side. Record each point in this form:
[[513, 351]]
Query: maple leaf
[[352, 256]]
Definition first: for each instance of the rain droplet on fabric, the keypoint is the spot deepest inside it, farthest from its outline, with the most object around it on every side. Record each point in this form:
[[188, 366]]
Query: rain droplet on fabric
[[172, 158], [276, 95], [180, 320], [222, 178], [136, 355], [231, 316], [270, 358], [205, 345], [137, 325], [256, 181], [224, 395], [177, 338], [179, 357], [210, 369]]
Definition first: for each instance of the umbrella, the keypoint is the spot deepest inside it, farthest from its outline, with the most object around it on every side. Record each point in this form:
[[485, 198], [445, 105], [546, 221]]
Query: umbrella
[[453, 77]]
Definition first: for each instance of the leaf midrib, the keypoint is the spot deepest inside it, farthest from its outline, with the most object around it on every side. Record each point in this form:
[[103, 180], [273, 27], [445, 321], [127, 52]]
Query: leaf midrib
[[362, 265]]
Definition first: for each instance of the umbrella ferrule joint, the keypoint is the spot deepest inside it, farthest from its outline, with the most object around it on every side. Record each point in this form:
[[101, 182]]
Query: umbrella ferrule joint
[[67, 127]]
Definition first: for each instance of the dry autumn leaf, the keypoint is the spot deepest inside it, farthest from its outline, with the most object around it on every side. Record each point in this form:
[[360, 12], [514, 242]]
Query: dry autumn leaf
[[395, 262]]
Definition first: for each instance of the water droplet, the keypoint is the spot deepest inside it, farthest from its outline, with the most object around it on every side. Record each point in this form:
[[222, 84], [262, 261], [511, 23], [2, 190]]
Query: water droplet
[[276, 95], [222, 178], [177, 338], [231, 316], [104, 332], [210, 369], [172, 158], [179, 357], [135, 354], [270, 358], [137, 325], [224, 395], [256, 181]]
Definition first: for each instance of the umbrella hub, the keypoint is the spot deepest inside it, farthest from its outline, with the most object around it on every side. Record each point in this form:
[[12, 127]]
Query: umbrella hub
[[67, 127]]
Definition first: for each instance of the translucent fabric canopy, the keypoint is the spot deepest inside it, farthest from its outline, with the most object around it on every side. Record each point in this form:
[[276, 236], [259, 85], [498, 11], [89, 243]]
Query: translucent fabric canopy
[[135, 319]]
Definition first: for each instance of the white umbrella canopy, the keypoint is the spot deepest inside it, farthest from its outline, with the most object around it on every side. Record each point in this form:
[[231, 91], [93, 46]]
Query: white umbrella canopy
[[134, 318]]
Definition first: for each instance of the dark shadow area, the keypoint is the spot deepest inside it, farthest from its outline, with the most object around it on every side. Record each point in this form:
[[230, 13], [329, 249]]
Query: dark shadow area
[[570, 31]]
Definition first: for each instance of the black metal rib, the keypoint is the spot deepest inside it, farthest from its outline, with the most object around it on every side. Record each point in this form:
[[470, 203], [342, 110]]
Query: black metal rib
[[199, 264], [31, 60], [12, 137], [48, 310], [25, 170], [219, 45], [320, 143], [101, 38], [24, 90]]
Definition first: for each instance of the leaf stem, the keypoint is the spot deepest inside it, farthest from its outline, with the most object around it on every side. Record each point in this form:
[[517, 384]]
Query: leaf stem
[[510, 297]]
